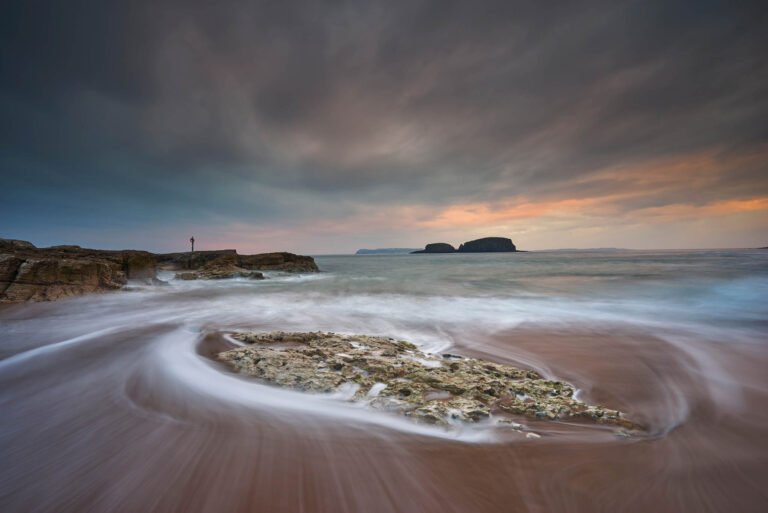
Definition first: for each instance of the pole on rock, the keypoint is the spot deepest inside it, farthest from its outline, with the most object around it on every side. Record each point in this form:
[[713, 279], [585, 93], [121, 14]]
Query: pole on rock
[[192, 244]]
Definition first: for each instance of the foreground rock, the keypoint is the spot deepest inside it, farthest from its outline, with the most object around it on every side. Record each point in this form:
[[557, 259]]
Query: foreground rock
[[28, 273], [395, 376]]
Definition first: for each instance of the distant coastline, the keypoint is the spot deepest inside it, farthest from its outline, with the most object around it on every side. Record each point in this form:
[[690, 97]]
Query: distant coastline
[[385, 251]]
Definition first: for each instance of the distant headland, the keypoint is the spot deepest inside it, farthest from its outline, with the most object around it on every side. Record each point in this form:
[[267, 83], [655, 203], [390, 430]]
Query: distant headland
[[385, 251], [484, 245]]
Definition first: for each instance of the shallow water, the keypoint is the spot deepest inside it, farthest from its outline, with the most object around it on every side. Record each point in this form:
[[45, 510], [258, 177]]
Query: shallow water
[[109, 402]]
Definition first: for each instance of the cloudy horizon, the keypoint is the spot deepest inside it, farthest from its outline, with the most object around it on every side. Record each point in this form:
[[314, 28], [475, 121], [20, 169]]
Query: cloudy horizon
[[327, 127]]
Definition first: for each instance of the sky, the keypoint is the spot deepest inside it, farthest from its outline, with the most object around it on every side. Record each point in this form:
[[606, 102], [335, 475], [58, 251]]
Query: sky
[[323, 127]]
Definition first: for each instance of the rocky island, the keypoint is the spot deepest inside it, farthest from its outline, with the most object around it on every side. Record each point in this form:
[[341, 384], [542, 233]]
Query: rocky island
[[437, 247], [488, 245], [484, 245], [394, 375], [29, 273]]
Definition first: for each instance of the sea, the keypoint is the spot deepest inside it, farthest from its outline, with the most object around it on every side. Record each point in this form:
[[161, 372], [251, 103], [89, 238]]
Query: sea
[[114, 402]]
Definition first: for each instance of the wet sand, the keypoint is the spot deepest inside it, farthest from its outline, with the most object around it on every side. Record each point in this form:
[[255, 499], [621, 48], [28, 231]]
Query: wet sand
[[106, 423]]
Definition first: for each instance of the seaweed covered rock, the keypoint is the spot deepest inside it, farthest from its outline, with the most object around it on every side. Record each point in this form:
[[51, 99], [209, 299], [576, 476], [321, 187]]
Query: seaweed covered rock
[[396, 376]]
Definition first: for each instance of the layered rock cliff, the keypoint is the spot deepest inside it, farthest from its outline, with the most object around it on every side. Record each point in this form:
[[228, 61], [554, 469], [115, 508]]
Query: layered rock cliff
[[28, 273]]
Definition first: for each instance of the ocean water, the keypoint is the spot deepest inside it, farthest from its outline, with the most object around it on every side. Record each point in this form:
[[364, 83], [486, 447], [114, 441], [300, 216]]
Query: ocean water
[[702, 291], [110, 403]]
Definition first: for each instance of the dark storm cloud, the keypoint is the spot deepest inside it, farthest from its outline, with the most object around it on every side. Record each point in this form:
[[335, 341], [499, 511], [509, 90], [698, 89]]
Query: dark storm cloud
[[265, 111]]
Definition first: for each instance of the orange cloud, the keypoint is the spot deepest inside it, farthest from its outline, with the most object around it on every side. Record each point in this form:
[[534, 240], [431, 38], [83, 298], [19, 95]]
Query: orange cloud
[[619, 188], [717, 208], [482, 213]]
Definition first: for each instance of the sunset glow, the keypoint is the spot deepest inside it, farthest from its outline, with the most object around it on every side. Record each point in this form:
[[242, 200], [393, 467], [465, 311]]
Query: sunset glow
[[626, 126]]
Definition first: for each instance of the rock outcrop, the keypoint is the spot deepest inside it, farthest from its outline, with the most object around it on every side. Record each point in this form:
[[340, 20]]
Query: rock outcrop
[[195, 260], [221, 268], [395, 376], [282, 261], [229, 258], [437, 247], [28, 273], [488, 245]]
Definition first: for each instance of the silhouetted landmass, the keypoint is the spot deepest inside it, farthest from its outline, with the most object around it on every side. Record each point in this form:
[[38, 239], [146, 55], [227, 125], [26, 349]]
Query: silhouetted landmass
[[437, 247], [484, 245], [488, 245], [385, 251]]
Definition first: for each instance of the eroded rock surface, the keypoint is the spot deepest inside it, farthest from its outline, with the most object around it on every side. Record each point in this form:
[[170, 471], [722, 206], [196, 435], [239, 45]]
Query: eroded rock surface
[[221, 268], [28, 273], [203, 261], [394, 375]]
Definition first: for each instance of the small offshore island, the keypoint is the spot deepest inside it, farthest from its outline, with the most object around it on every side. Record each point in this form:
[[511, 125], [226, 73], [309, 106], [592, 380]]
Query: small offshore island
[[484, 245]]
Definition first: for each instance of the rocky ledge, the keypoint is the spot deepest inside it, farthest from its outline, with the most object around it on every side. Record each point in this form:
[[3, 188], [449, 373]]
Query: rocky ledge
[[218, 273], [28, 273], [227, 263], [224, 266], [396, 376]]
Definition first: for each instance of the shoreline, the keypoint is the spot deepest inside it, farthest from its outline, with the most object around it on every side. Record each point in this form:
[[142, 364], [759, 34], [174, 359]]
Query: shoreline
[[119, 393], [472, 473]]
